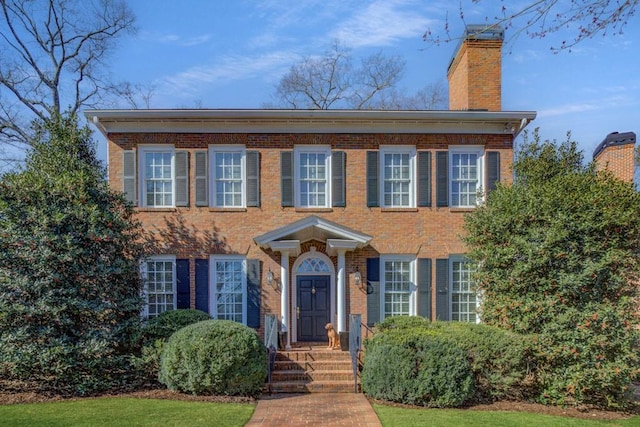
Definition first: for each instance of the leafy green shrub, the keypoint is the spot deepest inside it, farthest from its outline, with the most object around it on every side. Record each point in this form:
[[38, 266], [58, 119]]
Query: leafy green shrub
[[169, 322], [500, 360], [415, 366], [218, 357], [402, 322]]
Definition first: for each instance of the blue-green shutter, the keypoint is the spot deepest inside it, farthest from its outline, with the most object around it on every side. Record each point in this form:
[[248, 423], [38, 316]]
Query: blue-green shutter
[[286, 178], [373, 189], [338, 179], [202, 285], [373, 291], [253, 293], [129, 176], [183, 291], [424, 178], [493, 169], [442, 178], [182, 178], [253, 178], [442, 289], [424, 287]]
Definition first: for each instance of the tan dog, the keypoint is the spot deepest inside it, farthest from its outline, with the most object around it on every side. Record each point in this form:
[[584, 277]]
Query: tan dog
[[333, 336]]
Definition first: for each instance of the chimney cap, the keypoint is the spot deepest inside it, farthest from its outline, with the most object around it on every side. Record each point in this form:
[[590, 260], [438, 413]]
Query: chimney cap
[[613, 139], [483, 32]]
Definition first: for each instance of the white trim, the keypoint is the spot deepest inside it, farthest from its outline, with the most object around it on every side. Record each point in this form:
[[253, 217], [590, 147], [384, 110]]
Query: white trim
[[213, 307], [413, 289], [398, 149], [142, 184], [144, 272], [294, 287], [466, 149], [215, 149], [311, 149]]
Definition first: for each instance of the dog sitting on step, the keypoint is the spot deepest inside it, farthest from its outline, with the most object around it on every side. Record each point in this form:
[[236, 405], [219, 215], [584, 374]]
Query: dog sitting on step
[[333, 337]]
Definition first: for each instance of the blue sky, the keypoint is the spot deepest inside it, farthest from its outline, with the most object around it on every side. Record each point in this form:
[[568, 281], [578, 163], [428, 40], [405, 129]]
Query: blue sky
[[231, 54]]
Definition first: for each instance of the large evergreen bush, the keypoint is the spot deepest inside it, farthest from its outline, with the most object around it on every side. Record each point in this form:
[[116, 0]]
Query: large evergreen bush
[[217, 357], [557, 257], [167, 323], [418, 367], [69, 268]]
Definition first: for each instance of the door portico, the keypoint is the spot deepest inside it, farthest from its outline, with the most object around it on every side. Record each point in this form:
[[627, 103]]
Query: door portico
[[286, 240]]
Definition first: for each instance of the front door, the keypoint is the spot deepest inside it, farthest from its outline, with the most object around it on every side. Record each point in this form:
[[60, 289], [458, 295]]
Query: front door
[[312, 313]]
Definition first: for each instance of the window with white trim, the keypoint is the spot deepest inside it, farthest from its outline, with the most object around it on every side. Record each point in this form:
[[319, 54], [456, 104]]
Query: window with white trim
[[158, 173], [397, 169], [398, 286], [229, 288], [159, 275], [312, 176], [466, 175], [228, 175], [464, 298]]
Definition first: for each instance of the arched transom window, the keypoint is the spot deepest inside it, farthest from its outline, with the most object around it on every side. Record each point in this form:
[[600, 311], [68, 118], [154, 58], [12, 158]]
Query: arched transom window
[[313, 265]]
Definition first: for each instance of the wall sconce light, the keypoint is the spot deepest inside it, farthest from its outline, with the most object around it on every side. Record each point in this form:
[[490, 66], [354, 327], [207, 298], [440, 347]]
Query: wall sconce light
[[271, 280], [357, 278]]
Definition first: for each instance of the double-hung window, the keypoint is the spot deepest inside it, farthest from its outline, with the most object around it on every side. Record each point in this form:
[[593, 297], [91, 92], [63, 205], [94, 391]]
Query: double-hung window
[[398, 286], [160, 285], [464, 299], [157, 183], [397, 170], [229, 288], [229, 187], [313, 172], [466, 175]]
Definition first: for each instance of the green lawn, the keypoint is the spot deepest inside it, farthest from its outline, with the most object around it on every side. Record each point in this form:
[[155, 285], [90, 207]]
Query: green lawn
[[404, 417], [126, 412]]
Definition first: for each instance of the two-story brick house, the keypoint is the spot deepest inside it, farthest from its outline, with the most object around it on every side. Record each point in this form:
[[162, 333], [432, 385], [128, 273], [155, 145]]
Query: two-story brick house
[[314, 215]]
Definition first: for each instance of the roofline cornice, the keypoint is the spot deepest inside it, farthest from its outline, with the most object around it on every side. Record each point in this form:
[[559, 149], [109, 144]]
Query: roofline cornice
[[308, 121]]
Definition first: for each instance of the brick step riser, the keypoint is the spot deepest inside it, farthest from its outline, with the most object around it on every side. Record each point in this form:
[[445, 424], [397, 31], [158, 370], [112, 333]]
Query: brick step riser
[[313, 387], [312, 356], [312, 366], [311, 376]]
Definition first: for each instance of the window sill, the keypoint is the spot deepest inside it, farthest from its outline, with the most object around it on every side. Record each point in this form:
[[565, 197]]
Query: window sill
[[314, 209], [398, 209], [151, 209], [466, 209], [227, 209]]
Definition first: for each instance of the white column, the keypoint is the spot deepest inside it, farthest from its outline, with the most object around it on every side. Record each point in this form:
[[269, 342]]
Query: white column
[[284, 296], [342, 298]]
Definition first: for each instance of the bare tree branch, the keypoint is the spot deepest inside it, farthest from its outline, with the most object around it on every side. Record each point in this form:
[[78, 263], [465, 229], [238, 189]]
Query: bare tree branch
[[540, 18], [54, 58], [331, 81]]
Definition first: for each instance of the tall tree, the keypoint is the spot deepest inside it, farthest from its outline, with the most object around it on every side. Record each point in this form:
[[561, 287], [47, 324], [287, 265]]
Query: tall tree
[[53, 59], [332, 81], [540, 18], [557, 256], [69, 267]]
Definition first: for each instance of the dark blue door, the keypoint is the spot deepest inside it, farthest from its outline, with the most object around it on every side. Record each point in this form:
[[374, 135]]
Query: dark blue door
[[313, 308]]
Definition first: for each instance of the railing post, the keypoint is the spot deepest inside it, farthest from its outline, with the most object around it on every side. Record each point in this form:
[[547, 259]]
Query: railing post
[[355, 342], [271, 342]]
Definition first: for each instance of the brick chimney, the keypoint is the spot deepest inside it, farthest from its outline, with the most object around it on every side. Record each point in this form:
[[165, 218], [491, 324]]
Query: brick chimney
[[475, 71], [617, 154]]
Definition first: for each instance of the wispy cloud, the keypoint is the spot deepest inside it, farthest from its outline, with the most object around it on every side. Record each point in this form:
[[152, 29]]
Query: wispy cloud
[[228, 69], [607, 103], [177, 40], [382, 23]]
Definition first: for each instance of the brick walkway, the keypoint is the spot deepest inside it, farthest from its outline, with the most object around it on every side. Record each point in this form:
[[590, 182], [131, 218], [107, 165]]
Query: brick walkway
[[321, 409]]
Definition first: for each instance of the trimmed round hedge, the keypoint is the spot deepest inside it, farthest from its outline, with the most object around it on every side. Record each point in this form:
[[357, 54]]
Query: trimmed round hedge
[[214, 357], [418, 367], [169, 322]]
